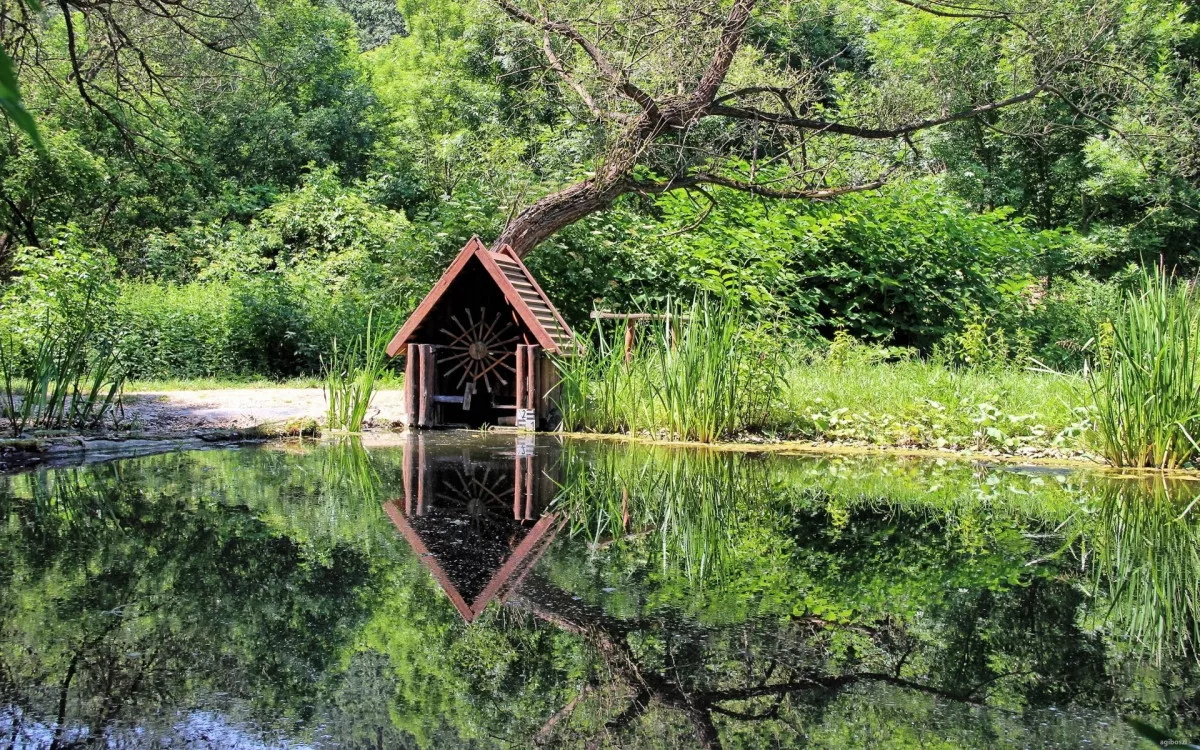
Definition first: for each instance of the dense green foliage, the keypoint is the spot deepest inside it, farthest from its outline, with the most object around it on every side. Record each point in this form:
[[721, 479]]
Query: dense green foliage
[[254, 203]]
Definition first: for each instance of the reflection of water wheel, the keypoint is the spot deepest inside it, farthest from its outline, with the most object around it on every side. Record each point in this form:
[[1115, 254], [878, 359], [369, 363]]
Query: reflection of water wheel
[[483, 496], [478, 349]]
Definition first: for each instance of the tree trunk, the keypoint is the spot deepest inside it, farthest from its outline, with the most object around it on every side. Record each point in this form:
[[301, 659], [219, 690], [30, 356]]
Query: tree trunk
[[555, 211]]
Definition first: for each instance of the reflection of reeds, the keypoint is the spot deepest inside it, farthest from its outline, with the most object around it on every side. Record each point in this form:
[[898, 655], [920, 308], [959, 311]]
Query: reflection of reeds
[[1145, 539], [347, 471], [683, 503]]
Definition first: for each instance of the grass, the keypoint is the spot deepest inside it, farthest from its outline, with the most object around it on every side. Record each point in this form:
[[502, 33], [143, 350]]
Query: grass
[[921, 404], [350, 376], [1148, 389], [718, 379]]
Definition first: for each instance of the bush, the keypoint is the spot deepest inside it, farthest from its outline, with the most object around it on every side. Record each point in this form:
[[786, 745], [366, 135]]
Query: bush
[[1067, 323], [61, 364], [174, 331]]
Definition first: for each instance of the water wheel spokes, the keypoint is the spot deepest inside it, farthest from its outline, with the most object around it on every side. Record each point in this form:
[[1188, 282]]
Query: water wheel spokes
[[478, 348]]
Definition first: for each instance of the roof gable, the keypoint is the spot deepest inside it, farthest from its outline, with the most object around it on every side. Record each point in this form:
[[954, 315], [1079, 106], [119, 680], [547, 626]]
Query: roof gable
[[520, 290]]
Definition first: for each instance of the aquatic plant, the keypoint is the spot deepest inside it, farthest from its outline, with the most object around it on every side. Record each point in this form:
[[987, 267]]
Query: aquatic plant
[[66, 381], [1147, 391], [350, 376], [699, 373]]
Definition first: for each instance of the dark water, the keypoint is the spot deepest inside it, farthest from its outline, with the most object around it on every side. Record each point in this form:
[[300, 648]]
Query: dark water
[[476, 590]]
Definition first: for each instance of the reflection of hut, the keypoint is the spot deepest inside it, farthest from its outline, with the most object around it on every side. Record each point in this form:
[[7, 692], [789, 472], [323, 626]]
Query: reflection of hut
[[476, 345], [476, 520]]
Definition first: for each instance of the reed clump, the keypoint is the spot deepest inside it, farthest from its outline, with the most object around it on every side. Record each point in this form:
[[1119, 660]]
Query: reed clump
[[350, 375], [1147, 383], [68, 379], [699, 373]]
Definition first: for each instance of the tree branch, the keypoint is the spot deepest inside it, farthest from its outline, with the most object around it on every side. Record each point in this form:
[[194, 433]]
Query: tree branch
[[727, 47], [607, 70], [826, 126]]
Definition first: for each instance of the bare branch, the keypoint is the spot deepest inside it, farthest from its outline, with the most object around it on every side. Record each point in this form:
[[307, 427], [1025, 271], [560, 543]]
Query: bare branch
[[858, 131]]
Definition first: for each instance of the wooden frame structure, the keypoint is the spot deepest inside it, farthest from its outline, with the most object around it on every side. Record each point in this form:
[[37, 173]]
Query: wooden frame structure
[[476, 346]]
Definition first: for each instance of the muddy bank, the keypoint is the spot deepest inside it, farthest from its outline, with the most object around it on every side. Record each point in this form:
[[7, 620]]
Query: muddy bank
[[43, 451]]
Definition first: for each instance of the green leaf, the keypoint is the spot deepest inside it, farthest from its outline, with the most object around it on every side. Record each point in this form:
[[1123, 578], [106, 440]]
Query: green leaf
[[10, 100]]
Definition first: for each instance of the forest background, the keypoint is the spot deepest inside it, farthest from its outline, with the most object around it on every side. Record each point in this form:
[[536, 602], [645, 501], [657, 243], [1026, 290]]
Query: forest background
[[223, 194]]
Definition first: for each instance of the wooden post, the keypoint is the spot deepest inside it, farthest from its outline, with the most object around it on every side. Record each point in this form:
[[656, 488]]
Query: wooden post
[[428, 377], [629, 324], [527, 386], [547, 393], [531, 372], [412, 386], [520, 382]]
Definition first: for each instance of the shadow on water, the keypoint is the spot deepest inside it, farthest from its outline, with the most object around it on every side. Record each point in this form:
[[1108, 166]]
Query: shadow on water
[[469, 589]]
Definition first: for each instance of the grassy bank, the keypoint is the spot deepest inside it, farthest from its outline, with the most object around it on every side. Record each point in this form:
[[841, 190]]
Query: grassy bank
[[923, 404], [710, 376]]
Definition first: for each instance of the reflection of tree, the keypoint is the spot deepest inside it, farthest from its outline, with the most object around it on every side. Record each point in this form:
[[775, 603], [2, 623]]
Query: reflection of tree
[[119, 596], [788, 666]]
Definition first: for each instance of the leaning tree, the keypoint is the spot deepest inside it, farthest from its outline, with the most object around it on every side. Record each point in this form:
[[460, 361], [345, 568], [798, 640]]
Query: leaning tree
[[689, 94]]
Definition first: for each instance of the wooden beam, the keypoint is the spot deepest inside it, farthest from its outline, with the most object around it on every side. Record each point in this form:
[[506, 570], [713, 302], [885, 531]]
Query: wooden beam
[[604, 315], [428, 416], [412, 386]]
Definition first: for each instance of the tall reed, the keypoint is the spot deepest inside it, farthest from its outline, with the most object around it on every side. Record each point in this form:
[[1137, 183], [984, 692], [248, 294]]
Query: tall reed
[[66, 381], [1147, 389], [350, 375], [696, 374]]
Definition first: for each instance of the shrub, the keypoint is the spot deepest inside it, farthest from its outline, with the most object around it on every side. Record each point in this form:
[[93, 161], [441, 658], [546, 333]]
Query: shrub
[[183, 331], [1068, 322], [60, 360]]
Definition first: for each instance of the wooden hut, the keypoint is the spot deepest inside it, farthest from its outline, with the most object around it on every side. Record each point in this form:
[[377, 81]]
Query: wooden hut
[[477, 346]]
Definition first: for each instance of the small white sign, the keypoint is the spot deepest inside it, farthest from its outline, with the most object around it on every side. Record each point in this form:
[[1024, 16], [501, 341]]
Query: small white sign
[[526, 419]]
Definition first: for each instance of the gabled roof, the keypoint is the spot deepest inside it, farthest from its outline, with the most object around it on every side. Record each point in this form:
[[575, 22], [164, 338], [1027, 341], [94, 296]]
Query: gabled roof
[[520, 290], [504, 580]]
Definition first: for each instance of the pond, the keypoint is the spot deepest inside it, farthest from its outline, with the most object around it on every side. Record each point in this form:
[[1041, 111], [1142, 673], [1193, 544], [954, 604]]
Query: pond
[[477, 589]]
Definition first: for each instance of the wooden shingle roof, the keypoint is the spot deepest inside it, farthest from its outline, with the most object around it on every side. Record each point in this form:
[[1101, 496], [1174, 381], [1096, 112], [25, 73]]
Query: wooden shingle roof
[[520, 289]]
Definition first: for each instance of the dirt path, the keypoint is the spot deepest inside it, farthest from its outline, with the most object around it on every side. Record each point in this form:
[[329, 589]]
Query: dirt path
[[241, 407]]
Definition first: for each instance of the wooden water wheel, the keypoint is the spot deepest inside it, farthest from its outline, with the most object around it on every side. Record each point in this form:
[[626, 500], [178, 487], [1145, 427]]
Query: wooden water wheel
[[478, 349]]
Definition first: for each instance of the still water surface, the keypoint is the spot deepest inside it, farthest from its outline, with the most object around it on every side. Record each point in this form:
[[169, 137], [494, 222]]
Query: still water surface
[[482, 590]]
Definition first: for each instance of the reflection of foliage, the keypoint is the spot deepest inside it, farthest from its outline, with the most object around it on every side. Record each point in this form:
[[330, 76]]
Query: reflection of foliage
[[1147, 549], [121, 590], [724, 600]]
